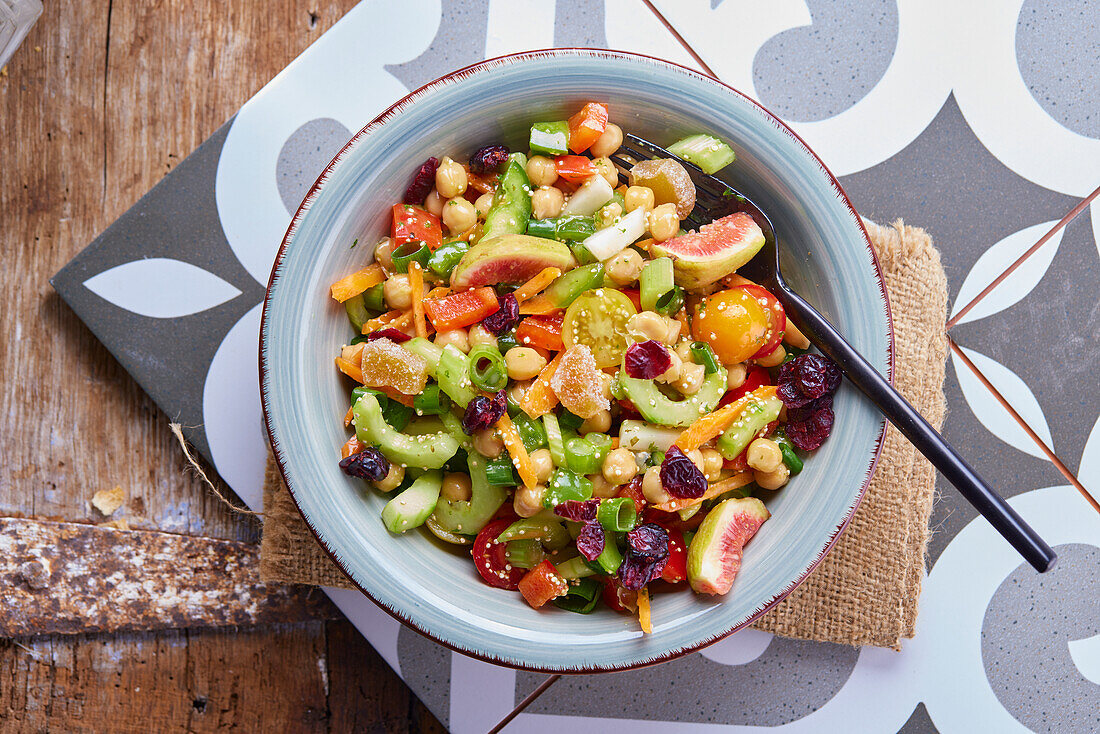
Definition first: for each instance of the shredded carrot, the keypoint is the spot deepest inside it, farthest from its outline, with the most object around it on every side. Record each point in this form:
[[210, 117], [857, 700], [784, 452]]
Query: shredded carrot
[[545, 277], [354, 353], [357, 282], [735, 482], [538, 306], [348, 416], [711, 426], [644, 618], [403, 319], [644, 244], [540, 398], [416, 288], [349, 369], [439, 291], [351, 447], [510, 436]]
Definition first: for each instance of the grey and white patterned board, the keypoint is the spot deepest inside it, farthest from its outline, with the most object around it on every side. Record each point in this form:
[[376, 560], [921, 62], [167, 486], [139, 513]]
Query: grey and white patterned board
[[977, 120]]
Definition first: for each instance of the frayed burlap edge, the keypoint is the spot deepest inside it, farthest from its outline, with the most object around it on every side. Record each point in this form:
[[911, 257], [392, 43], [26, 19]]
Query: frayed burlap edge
[[865, 591]]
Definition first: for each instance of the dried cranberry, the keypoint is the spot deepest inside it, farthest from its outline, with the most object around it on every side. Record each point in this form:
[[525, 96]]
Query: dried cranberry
[[422, 182], [483, 412], [648, 541], [390, 333], [647, 360], [367, 464], [808, 427], [635, 572], [591, 540], [807, 378], [505, 317], [578, 511], [680, 477], [488, 158]]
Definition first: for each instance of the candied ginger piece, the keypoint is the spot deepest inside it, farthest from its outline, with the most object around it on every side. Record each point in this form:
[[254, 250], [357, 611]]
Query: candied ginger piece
[[579, 383], [387, 364]]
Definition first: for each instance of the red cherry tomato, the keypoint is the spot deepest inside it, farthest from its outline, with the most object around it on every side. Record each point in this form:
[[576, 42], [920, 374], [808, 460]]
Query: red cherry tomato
[[756, 377], [635, 297], [676, 568], [773, 309], [491, 559], [618, 598], [633, 490]]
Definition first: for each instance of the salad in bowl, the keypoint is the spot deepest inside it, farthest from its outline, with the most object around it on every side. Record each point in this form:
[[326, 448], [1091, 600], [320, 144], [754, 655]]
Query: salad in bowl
[[549, 374]]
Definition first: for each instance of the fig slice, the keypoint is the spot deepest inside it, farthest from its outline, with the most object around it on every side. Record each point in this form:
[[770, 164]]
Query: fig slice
[[509, 258], [714, 557], [716, 250]]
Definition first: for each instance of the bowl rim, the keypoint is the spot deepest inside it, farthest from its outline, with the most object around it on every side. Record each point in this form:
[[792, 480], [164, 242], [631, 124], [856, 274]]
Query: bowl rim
[[458, 75]]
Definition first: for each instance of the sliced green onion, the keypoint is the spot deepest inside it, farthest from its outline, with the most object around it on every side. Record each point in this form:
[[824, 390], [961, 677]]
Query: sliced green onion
[[551, 138], [410, 252], [581, 598], [525, 553], [581, 456], [432, 401], [566, 485], [506, 342], [570, 228], [575, 568], [487, 368], [570, 421], [446, 257], [553, 439], [704, 355], [617, 513], [375, 299], [500, 471], [530, 431], [790, 458], [655, 282], [671, 302], [610, 559]]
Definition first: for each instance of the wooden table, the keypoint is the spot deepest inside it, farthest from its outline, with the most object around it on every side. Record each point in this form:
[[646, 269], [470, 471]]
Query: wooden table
[[101, 101]]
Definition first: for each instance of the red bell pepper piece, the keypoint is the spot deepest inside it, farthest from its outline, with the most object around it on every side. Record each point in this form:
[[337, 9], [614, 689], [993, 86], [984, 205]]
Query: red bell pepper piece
[[587, 126], [574, 168], [757, 377], [491, 557], [676, 567], [541, 584], [414, 224], [461, 309], [543, 332]]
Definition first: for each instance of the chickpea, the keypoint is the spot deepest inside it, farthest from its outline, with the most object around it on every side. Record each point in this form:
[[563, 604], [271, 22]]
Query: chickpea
[[625, 267], [393, 478], [663, 222], [456, 487], [650, 325], [544, 465], [683, 351], [383, 254], [487, 443], [483, 204], [450, 179], [524, 363], [774, 359], [459, 215], [547, 202], [608, 142], [712, 465], [605, 388], [735, 375], [601, 488], [672, 374], [541, 171], [774, 479], [794, 337], [696, 457], [434, 203], [528, 500], [609, 213], [599, 423], [764, 455], [691, 378], [607, 169], [455, 337], [652, 488], [639, 197], [397, 293], [518, 390], [619, 466], [480, 335]]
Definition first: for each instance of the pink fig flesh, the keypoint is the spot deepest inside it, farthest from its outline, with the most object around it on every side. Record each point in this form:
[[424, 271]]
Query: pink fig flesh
[[714, 557]]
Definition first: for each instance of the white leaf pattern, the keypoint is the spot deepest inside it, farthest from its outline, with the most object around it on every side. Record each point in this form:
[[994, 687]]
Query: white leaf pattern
[[995, 260], [1086, 657], [992, 414], [161, 288], [1089, 471]]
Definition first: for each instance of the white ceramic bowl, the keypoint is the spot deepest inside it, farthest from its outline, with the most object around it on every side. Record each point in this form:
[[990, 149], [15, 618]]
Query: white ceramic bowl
[[827, 258]]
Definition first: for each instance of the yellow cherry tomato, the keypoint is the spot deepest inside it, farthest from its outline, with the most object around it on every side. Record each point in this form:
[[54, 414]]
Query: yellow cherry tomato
[[733, 324]]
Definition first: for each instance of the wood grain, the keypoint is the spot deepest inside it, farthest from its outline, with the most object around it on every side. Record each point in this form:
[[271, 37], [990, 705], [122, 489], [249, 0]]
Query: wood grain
[[102, 100]]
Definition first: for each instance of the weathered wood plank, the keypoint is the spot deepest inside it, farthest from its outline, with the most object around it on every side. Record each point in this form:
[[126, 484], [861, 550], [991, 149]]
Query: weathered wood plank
[[67, 578]]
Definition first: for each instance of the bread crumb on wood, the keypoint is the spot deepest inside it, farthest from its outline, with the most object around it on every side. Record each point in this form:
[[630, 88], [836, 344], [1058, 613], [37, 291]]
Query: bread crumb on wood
[[107, 501], [121, 523]]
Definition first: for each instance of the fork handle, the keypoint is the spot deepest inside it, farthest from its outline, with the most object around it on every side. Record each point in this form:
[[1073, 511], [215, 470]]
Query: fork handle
[[923, 436]]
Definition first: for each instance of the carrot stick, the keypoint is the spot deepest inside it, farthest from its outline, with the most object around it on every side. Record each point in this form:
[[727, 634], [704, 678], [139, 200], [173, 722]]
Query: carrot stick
[[711, 426], [538, 306], [643, 611], [351, 447], [400, 321], [416, 286], [510, 436], [349, 369], [540, 398], [736, 481], [545, 277], [348, 416], [357, 282]]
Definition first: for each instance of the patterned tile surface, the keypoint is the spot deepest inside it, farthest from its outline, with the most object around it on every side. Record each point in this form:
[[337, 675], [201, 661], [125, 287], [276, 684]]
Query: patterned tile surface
[[978, 121]]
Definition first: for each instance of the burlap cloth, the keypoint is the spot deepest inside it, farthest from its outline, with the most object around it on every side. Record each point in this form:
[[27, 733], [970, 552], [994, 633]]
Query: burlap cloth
[[865, 591]]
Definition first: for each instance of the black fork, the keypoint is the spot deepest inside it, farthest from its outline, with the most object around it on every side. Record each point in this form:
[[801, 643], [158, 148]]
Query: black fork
[[714, 199]]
